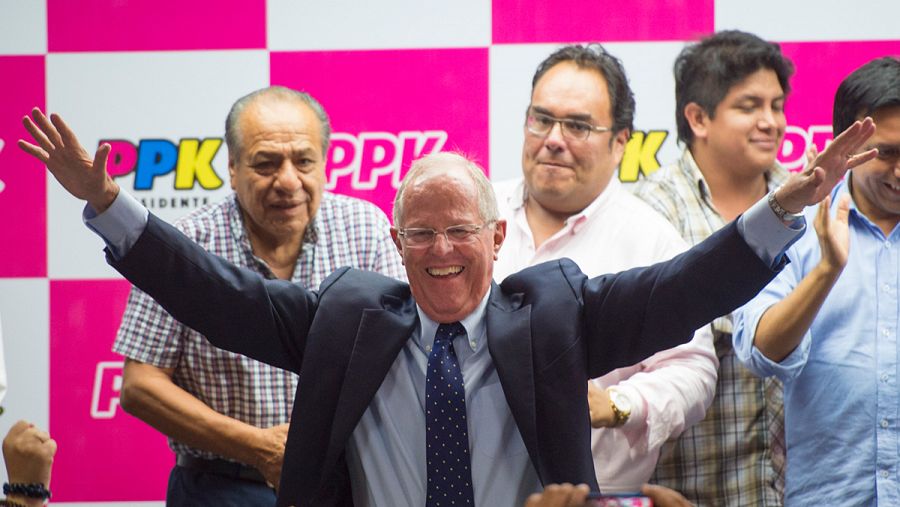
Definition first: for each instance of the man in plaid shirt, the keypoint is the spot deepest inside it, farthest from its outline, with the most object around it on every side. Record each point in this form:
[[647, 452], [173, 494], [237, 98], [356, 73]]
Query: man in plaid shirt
[[729, 91], [226, 415]]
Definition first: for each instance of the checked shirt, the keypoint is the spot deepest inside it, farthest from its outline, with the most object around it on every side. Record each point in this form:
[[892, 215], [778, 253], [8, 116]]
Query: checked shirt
[[735, 456]]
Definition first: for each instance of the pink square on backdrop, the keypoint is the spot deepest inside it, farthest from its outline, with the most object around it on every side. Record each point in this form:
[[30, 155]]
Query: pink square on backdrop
[[104, 454], [820, 68], [155, 25], [515, 21], [23, 183], [389, 107]]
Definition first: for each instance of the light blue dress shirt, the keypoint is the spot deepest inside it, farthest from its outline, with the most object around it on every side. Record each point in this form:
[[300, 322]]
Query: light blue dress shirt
[[841, 398], [386, 452]]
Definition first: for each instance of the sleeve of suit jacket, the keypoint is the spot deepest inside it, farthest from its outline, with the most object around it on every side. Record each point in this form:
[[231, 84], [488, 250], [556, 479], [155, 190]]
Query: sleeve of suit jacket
[[234, 303], [631, 315], [620, 319]]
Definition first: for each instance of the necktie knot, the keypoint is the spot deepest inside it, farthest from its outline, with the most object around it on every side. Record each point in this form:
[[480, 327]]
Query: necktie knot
[[449, 331]]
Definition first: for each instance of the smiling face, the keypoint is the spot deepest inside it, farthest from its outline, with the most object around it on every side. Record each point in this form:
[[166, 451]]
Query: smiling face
[[565, 175], [748, 126], [876, 184], [279, 170], [448, 280]]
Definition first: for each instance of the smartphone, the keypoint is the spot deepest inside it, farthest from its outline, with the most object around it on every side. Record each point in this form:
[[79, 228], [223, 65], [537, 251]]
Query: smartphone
[[632, 499]]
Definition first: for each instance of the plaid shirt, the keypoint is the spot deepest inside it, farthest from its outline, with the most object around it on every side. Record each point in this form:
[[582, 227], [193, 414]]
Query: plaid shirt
[[344, 232], [735, 456]]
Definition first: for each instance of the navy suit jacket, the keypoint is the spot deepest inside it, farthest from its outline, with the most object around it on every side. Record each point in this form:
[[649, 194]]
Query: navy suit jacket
[[549, 329]]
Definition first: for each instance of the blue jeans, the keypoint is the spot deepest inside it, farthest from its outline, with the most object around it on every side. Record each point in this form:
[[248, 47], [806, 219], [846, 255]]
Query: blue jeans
[[193, 488]]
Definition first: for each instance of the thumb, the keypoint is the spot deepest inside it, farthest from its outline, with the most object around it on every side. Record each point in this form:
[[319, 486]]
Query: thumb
[[843, 209], [101, 157]]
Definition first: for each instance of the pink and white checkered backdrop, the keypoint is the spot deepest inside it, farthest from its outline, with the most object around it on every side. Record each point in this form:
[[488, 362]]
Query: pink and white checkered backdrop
[[400, 78]]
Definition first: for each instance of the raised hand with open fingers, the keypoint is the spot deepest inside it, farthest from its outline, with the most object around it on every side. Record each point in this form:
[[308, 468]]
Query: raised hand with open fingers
[[811, 185], [834, 233], [59, 149]]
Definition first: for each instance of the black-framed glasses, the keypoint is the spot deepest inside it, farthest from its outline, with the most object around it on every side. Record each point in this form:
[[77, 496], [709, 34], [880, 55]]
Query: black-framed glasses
[[456, 234], [541, 124]]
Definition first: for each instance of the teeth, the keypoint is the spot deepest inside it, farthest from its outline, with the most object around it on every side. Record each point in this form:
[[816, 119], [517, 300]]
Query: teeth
[[451, 270], [894, 187]]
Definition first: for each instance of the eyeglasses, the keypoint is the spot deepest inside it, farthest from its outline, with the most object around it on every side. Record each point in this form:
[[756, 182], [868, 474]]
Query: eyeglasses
[[541, 124], [456, 234]]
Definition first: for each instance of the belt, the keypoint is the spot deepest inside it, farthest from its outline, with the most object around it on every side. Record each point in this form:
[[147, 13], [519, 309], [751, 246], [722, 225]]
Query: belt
[[221, 467]]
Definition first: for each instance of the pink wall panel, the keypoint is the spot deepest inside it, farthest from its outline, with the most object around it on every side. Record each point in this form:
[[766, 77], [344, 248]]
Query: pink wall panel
[[820, 68], [155, 25], [23, 183], [390, 107], [104, 454], [520, 21]]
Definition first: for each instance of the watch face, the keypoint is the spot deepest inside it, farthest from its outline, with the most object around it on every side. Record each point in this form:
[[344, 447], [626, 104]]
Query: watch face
[[622, 402]]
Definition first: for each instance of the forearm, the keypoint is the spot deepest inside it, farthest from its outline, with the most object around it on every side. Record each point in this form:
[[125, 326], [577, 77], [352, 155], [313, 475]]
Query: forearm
[[675, 387], [156, 400], [782, 327], [24, 500]]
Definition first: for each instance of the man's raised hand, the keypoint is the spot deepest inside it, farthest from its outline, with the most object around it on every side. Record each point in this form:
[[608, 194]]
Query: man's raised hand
[[58, 148]]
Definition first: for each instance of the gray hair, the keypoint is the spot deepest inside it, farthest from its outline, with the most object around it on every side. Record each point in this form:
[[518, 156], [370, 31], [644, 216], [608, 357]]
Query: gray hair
[[275, 92], [487, 201]]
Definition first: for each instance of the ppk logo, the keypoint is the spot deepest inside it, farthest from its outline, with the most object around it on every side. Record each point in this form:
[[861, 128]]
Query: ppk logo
[[370, 158], [107, 388], [640, 155], [191, 159]]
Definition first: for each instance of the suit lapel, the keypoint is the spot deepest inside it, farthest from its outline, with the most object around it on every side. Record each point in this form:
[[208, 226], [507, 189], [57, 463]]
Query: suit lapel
[[510, 343], [381, 335]]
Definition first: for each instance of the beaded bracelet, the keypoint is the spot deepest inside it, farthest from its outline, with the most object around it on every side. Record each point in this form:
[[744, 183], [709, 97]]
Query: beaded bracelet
[[10, 503], [33, 490]]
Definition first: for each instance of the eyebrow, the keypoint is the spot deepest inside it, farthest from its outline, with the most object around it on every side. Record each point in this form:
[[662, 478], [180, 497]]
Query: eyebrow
[[885, 147], [751, 96], [573, 116]]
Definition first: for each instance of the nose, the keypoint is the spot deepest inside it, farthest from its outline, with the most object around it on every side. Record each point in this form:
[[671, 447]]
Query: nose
[[554, 140], [288, 178], [766, 118], [441, 244]]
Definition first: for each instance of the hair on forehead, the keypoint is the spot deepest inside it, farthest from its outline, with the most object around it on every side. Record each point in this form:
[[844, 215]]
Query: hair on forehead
[[595, 57], [437, 164], [705, 71], [278, 94], [874, 86]]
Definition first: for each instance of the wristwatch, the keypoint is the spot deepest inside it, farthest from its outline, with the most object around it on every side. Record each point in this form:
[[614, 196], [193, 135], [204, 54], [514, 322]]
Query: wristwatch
[[782, 214], [621, 406]]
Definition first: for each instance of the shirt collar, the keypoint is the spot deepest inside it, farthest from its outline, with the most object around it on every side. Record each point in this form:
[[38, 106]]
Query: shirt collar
[[239, 232], [775, 176], [516, 202], [474, 323]]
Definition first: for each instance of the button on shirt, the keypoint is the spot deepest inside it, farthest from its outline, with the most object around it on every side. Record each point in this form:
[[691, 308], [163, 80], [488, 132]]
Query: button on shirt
[[841, 396]]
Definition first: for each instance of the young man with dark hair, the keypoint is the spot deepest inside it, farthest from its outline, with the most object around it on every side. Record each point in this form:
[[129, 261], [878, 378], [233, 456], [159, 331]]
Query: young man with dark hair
[[827, 325], [730, 90]]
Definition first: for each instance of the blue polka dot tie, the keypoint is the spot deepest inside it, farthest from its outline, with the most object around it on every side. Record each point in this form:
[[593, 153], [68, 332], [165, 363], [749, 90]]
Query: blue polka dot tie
[[446, 431]]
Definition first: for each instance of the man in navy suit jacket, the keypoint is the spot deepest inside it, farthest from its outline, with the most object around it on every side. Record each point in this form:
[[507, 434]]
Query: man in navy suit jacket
[[362, 340]]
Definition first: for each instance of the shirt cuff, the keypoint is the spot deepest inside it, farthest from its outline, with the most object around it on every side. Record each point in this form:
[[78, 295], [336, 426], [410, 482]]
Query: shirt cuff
[[120, 225], [766, 234]]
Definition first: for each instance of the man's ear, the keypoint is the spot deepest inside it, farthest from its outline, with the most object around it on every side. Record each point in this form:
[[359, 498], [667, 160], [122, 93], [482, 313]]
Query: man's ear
[[697, 119], [231, 170], [499, 236], [395, 236], [619, 141]]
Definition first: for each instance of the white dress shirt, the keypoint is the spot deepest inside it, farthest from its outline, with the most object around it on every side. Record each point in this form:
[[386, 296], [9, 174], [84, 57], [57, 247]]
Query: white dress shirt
[[670, 390]]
